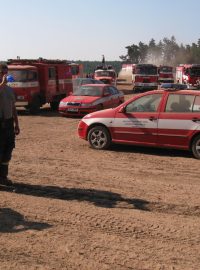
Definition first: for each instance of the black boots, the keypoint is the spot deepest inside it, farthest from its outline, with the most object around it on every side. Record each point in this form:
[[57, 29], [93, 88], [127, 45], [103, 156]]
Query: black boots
[[4, 175]]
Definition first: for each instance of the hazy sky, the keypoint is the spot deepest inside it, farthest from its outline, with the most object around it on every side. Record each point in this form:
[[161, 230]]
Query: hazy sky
[[86, 29]]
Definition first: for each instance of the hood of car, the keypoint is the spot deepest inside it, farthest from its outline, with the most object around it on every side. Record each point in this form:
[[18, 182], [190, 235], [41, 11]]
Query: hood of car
[[80, 99], [107, 113]]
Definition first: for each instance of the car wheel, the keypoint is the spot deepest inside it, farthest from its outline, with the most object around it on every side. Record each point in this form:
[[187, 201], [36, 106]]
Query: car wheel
[[54, 105], [99, 138], [34, 106], [196, 147]]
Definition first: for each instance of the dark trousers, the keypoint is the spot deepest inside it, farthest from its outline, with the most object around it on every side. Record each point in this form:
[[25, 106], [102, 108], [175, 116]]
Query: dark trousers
[[7, 143]]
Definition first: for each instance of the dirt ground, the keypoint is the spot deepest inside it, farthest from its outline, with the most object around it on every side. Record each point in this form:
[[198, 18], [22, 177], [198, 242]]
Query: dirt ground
[[77, 208]]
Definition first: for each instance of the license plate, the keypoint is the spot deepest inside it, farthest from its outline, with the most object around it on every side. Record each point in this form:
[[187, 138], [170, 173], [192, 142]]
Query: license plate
[[72, 110]]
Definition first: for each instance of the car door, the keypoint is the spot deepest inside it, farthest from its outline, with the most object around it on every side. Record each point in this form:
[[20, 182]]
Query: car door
[[115, 96], [107, 98], [179, 120], [137, 122]]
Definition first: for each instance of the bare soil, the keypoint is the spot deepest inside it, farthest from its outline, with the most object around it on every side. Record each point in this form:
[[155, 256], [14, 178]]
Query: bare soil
[[77, 208]]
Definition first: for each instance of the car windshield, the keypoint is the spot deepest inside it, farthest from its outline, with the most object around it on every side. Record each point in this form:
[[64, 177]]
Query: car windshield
[[146, 70], [19, 75], [88, 91], [194, 71], [80, 81], [166, 69]]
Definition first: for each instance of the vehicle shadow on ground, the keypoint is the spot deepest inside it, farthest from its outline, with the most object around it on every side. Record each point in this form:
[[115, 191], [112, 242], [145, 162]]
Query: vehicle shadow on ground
[[43, 112], [47, 112], [13, 222], [105, 199], [151, 151]]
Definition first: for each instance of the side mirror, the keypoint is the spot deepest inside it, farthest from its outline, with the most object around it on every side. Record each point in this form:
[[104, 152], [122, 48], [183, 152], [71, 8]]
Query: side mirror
[[122, 109]]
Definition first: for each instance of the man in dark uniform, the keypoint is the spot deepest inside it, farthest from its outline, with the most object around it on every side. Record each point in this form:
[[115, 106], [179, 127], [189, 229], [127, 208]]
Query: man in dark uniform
[[9, 126]]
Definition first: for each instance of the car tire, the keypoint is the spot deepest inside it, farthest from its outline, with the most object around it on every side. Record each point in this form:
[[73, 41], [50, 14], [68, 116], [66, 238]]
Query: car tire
[[54, 105], [196, 147], [99, 138], [34, 106]]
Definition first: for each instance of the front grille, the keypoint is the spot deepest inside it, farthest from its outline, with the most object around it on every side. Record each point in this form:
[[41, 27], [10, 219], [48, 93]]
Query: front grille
[[74, 103], [146, 81]]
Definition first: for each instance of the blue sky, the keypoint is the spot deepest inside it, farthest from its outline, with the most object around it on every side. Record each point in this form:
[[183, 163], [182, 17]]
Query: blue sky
[[86, 29]]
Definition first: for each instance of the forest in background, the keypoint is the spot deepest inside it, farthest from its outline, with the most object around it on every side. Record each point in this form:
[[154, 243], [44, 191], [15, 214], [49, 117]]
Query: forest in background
[[166, 52]]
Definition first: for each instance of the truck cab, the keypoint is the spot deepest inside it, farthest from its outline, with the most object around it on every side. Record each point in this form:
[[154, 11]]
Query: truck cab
[[41, 81]]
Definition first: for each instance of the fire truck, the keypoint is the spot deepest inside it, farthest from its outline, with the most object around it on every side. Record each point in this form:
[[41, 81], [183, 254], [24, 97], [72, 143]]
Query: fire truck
[[139, 76], [105, 73], [77, 70], [188, 74], [165, 74], [39, 81]]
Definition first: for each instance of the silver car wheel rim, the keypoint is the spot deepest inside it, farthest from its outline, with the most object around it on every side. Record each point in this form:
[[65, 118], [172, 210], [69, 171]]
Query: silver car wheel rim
[[98, 139], [198, 147]]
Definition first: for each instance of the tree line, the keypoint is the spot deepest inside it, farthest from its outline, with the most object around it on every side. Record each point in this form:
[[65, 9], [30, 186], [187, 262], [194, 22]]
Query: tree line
[[165, 52]]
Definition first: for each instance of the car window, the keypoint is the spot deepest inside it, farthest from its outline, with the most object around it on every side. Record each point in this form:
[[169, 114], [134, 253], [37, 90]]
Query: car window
[[86, 81], [113, 90], [196, 106], [177, 86], [148, 103], [107, 91], [179, 103]]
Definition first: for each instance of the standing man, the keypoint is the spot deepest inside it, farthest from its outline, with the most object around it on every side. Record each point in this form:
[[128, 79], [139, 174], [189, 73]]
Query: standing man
[[9, 126]]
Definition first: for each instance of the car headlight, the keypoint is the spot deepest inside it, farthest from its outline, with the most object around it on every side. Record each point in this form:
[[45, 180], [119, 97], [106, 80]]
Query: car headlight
[[63, 103], [86, 104]]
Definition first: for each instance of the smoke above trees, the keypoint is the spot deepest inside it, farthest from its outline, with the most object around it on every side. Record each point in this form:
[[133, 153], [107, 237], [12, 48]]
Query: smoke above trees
[[165, 52]]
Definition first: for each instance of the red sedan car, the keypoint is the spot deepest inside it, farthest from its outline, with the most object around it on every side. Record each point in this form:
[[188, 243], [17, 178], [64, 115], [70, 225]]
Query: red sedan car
[[90, 98], [160, 118]]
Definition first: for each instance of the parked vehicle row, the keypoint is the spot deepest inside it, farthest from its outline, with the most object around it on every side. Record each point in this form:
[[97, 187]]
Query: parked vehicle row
[[148, 76]]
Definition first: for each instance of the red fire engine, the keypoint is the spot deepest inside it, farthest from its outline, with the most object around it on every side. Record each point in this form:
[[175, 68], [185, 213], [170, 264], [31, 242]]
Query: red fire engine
[[139, 76], [105, 73], [77, 70], [40, 81], [188, 74], [165, 74]]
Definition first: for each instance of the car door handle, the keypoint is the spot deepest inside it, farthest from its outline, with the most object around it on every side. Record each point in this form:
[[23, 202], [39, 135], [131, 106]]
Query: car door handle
[[152, 118], [195, 119]]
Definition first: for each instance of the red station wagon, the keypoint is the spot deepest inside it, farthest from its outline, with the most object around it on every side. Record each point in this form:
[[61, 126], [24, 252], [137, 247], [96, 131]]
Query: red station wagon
[[160, 118], [90, 98]]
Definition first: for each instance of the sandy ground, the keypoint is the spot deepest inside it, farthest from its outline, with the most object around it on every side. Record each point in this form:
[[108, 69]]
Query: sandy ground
[[77, 208]]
